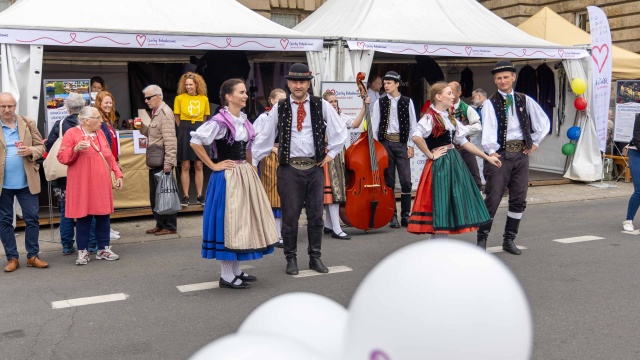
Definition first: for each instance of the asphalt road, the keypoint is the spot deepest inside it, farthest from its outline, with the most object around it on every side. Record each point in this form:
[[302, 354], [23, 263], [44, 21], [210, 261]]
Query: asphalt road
[[583, 295]]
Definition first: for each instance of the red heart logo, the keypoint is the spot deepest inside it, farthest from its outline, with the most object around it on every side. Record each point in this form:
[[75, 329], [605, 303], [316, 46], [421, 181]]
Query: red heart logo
[[72, 36], [426, 48], [468, 49], [600, 54], [561, 53], [360, 44], [284, 43], [141, 39], [332, 90]]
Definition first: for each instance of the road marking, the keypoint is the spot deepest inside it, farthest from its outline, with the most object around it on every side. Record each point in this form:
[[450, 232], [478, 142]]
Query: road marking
[[88, 300], [634, 232], [578, 239], [198, 287], [498, 249], [332, 270]]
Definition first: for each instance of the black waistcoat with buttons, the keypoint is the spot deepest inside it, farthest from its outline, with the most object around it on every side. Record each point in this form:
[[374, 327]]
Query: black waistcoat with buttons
[[403, 117], [234, 151], [500, 107], [285, 121]]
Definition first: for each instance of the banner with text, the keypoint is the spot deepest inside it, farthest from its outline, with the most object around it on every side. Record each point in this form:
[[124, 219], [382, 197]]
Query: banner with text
[[55, 94], [627, 106]]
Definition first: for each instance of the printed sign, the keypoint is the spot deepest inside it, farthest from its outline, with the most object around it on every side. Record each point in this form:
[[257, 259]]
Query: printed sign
[[56, 92], [627, 106]]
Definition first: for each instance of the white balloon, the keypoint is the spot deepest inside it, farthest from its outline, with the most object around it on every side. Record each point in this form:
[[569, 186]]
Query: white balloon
[[439, 299], [253, 347], [310, 319]]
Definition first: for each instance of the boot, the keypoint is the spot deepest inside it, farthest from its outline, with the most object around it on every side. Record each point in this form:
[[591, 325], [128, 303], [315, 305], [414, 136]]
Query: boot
[[405, 209], [510, 232], [394, 222], [483, 235]]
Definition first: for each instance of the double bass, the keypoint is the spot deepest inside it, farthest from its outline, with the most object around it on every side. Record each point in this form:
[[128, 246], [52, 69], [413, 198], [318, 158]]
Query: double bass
[[370, 203]]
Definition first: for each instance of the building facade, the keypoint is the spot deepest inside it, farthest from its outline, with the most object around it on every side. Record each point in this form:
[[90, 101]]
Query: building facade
[[284, 12], [624, 16]]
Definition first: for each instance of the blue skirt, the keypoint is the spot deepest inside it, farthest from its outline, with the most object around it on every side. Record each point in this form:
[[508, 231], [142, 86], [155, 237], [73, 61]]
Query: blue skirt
[[213, 246]]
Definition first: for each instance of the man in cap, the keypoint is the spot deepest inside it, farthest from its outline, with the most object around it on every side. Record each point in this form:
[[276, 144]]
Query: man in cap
[[469, 117], [393, 120], [513, 126], [302, 122]]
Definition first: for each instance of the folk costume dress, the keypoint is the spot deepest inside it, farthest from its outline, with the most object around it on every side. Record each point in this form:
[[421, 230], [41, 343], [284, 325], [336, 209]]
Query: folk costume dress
[[234, 225], [447, 200], [268, 168], [334, 171]]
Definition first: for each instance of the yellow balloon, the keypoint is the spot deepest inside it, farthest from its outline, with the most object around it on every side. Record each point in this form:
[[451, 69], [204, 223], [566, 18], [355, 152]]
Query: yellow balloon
[[578, 86]]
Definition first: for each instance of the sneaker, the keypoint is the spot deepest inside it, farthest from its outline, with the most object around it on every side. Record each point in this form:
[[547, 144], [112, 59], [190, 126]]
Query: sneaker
[[200, 200], [83, 257], [185, 201], [106, 254], [68, 250], [113, 235], [115, 231], [627, 225]]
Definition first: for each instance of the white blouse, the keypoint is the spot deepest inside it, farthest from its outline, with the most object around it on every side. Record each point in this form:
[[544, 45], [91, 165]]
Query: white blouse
[[210, 131], [425, 126]]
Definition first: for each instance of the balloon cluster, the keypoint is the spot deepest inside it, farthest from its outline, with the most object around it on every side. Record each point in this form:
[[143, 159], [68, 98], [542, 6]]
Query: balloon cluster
[[458, 303], [578, 86]]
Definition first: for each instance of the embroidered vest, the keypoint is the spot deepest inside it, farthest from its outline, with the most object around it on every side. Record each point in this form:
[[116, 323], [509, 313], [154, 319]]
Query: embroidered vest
[[461, 113], [499, 106], [403, 117], [285, 120]]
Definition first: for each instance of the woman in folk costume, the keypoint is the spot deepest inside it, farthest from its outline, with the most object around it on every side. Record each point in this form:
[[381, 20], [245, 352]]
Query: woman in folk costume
[[269, 165], [334, 174], [234, 226], [448, 200]]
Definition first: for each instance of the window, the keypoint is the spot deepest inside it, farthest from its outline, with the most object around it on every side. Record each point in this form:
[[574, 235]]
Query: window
[[582, 20], [286, 20]]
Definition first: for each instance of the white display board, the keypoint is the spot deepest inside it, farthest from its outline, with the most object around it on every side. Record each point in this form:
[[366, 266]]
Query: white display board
[[56, 92], [349, 101], [627, 106]]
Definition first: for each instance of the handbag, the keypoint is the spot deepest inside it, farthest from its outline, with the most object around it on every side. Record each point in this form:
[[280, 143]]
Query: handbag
[[155, 156], [53, 169], [114, 180]]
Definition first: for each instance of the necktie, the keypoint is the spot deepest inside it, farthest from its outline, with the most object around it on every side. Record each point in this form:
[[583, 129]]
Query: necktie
[[509, 103], [301, 113]]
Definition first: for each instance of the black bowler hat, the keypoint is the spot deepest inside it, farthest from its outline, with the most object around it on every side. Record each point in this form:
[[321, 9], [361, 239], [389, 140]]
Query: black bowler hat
[[503, 65], [299, 71], [392, 75]]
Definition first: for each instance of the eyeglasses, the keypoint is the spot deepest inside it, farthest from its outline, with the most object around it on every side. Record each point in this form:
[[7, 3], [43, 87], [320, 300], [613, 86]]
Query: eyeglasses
[[150, 97]]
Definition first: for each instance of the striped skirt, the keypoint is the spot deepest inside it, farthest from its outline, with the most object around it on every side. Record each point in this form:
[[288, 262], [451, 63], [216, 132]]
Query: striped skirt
[[447, 200], [234, 223], [334, 181], [268, 170]]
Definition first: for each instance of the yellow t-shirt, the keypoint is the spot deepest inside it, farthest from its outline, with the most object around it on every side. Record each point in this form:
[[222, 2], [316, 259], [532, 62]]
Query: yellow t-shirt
[[191, 108]]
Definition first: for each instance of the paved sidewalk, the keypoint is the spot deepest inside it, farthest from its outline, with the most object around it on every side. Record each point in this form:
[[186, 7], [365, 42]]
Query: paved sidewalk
[[190, 224]]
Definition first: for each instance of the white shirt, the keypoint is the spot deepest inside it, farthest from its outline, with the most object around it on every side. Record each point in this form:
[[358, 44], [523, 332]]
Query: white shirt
[[394, 125], [301, 141], [258, 125], [425, 126], [539, 124], [348, 122], [373, 97], [475, 127], [210, 131]]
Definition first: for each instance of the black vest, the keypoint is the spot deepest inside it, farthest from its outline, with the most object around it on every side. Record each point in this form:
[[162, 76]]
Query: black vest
[[499, 106], [403, 117], [442, 140], [285, 120], [235, 151]]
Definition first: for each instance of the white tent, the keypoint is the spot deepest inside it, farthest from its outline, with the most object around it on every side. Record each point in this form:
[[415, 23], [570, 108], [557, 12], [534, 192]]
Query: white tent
[[141, 24]]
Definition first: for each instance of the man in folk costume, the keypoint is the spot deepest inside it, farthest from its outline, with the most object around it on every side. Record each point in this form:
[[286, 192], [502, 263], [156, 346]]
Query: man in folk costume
[[302, 122], [393, 121], [470, 118], [513, 126]]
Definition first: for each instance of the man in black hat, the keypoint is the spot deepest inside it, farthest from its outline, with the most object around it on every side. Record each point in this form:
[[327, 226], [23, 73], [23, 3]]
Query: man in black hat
[[302, 123], [393, 120], [513, 126]]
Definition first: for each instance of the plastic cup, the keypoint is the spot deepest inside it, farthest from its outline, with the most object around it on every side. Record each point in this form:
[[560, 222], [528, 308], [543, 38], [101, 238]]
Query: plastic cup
[[19, 144], [137, 123]]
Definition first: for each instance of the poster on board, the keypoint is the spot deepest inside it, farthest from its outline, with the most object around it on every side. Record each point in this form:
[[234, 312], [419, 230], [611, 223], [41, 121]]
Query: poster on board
[[627, 106], [56, 92], [349, 101]]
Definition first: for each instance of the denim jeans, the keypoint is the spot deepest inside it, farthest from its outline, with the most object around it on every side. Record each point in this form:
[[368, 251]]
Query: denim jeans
[[102, 226], [634, 167], [67, 226], [29, 204]]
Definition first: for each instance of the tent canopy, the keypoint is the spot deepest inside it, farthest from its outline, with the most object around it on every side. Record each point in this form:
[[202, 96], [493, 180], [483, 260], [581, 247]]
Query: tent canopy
[[548, 25]]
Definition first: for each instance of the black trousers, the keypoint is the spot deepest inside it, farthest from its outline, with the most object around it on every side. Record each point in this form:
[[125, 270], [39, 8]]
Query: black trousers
[[472, 164], [398, 160], [298, 188], [169, 222], [514, 174]]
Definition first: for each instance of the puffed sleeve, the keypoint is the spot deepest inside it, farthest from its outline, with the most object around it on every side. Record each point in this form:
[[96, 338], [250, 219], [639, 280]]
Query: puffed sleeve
[[489, 129], [207, 133], [424, 126], [460, 138], [540, 124]]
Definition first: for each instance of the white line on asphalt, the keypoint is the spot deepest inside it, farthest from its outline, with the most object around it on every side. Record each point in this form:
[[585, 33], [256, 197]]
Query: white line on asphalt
[[88, 300], [634, 232], [578, 239], [198, 287], [332, 270], [498, 249]]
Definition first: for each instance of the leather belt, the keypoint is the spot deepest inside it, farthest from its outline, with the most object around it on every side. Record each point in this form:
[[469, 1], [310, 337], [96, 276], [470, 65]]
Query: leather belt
[[302, 163], [392, 137], [514, 146]]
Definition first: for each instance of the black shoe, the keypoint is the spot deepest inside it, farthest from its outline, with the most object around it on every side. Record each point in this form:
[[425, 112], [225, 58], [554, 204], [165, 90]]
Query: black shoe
[[509, 246], [327, 230], [317, 265], [247, 277], [185, 201], [404, 222], [279, 244], [225, 284], [482, 244], [200, 200], [394, 223], [341, 237], [292, 267]]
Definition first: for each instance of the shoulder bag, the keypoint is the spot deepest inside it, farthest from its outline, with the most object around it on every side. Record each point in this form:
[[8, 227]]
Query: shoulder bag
[[53, 169]]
